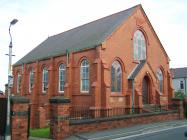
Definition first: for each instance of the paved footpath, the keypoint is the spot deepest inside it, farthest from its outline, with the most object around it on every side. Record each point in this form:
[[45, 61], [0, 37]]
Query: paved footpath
[[34, 138], [124, 132], [111, 134]]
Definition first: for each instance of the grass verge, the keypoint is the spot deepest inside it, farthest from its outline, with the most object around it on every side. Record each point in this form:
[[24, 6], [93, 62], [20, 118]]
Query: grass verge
[[40, 133]]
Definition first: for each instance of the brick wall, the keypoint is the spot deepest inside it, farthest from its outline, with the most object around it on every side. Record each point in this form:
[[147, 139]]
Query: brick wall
[[76, 127], [61, 126], [19, 118]]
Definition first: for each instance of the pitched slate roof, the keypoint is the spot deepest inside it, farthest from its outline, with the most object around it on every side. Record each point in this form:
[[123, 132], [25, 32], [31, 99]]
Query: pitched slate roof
[[179, 72], [86, 36], [136, 70]]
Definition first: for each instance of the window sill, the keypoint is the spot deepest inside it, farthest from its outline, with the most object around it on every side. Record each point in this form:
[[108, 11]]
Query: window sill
[[82, 94], [136, 61], [116, 94]]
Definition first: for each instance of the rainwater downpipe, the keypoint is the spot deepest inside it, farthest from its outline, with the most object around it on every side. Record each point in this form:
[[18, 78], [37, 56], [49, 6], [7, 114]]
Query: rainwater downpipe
[[132, 95], [67, 56], [185, 86]]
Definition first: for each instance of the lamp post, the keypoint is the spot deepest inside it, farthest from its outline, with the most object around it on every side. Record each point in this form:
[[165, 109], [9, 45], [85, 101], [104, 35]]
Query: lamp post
[[7, 135]]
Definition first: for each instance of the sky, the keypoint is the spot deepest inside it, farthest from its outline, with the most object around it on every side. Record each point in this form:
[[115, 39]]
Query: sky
[[39, 19]]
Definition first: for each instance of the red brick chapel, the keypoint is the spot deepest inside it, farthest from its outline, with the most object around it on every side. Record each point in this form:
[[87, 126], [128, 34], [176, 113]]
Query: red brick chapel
[[114, 61]]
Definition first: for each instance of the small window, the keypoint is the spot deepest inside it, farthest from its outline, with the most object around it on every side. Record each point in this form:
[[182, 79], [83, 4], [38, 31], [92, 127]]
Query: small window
[[31, 80], [116, 77], [160, 79], [61, 77], [45, 80], [139, 45], [181, 85], [18, 83], [84, 71]]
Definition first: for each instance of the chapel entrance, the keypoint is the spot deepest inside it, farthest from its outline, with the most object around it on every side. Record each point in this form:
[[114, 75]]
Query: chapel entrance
[[145, 90]]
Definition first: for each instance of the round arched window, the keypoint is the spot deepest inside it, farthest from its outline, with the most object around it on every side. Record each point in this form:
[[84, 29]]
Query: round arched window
[[61, 77], [84, 71], [116, 77], [139, 46]]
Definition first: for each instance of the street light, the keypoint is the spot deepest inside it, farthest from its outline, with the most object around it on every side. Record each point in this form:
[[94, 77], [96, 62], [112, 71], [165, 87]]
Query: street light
[[7, 135]]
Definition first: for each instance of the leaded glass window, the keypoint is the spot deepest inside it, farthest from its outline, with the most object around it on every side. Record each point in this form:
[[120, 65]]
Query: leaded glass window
[[160, 79], [139, 46], [31, 80], [45, 79], [18, 83], [84, 71], [61, 77], [116, 77]]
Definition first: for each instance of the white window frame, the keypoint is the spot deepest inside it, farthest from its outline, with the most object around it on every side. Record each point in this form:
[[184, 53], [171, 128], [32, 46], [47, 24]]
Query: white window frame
[[81, 76], [45, 79], [18, 82], [31, 80], [116, 65], [63, 70], [139, 46]]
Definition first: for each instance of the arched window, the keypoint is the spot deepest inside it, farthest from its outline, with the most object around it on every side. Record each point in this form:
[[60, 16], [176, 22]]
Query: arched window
[[116, 77], [84, 74], [31, 80], [61, 77], [45, 79], [139, 46], [160, 79], [18, 82]]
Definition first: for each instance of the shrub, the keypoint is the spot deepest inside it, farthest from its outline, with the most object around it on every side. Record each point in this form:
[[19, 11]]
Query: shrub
[[179, 94]]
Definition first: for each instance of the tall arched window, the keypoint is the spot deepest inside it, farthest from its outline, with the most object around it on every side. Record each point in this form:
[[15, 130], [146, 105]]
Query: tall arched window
[[84, 74], [31, 80], [139, 45], [160, 79], [61, 77], [45, 79], [116, 77], [18, 82]]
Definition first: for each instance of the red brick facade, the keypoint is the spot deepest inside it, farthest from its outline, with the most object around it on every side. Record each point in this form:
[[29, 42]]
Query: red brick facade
[[118, 46]]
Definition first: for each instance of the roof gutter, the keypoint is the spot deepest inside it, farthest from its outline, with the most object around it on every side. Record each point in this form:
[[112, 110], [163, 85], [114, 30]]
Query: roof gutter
[[132, 95]]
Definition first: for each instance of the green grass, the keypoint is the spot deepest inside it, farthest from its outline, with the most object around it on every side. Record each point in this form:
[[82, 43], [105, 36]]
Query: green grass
[[40, 133]]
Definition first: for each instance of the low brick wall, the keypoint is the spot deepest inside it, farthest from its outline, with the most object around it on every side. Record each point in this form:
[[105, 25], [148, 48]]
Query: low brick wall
[[78, 126], [61, 126]]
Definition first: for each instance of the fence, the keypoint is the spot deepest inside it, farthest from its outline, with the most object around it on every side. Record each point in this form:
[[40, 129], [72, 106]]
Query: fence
[[3, 114], [82, 112]]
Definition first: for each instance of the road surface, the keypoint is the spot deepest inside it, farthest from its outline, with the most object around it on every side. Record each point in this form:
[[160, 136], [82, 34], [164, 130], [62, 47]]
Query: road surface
[[172, 130]]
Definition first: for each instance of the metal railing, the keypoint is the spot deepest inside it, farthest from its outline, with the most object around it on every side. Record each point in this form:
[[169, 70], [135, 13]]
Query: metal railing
[[83, 112]]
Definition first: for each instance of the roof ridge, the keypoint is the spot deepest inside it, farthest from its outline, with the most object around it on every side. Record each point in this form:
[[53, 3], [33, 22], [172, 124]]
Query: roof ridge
[[85, 36]]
